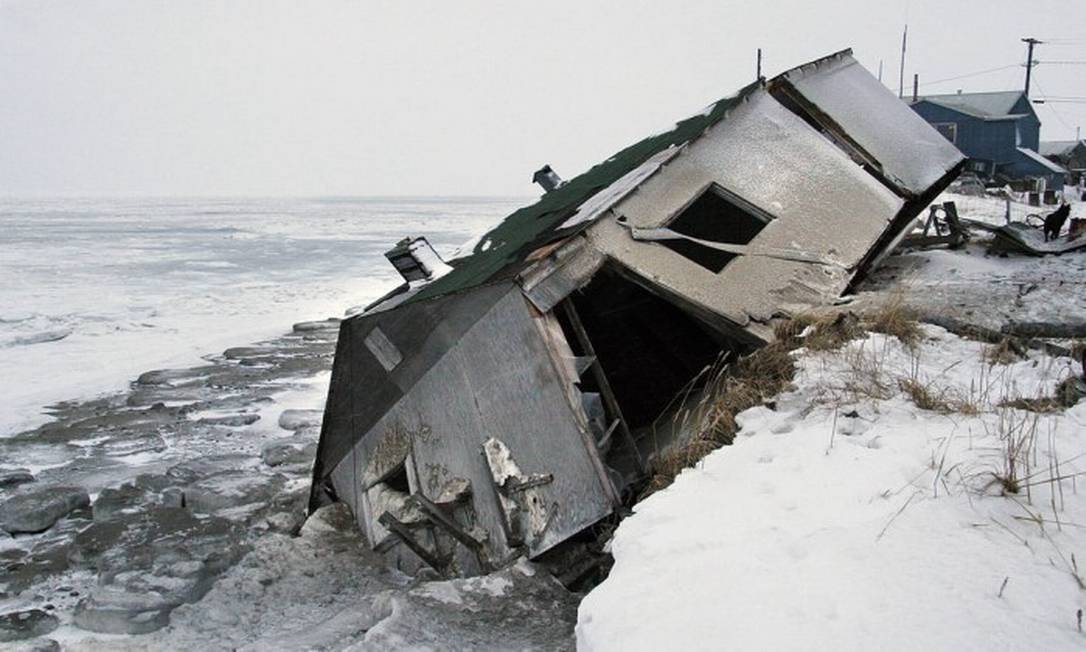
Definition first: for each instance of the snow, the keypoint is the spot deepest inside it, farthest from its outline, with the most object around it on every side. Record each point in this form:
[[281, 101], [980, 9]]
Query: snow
[[842, 521], [985, 289], [910, 151]]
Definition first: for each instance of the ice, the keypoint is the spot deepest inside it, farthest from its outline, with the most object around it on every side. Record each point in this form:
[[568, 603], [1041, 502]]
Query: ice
[[96, 291]]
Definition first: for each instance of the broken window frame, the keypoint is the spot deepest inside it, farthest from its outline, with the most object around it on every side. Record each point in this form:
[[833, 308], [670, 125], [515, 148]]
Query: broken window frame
[[370, 519], [750, 210]]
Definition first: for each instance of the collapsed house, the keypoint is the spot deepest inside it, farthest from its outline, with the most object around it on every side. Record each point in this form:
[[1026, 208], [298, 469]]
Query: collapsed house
[[503, 403]]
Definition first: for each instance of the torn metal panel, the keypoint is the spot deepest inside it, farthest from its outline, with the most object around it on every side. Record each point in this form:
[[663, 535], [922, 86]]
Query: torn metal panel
[[523, 504], [383, 349], [1030, 240], [497, 379], [606, 198], [795, 255], [567, 268]]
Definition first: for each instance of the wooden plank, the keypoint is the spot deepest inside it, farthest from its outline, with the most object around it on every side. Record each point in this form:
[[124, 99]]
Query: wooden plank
[[400, 530], [534, 481], [601, 380], [568, 368], [438, 517]]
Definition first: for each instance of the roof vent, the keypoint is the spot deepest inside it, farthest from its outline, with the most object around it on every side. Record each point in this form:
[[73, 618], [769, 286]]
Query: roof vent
[[416, 260], [547, 178]]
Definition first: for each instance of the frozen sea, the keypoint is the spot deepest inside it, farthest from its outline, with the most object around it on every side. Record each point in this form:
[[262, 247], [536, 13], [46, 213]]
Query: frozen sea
[[95, 291]]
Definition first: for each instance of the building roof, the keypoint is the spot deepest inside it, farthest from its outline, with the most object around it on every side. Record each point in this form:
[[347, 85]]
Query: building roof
[[1059, 147], [1042, 161], [533, 226], [990, 105]]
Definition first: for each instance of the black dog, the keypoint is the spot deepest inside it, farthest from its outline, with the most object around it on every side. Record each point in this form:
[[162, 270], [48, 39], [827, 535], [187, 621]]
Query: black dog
[[1054, 222]]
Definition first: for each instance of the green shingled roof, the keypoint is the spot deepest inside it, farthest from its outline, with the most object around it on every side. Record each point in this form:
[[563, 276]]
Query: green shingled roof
[[534, 226]]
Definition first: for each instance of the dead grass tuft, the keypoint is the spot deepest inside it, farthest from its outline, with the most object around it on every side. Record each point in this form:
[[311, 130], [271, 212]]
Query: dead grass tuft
[[749, 381], [1006, 351], [896, 319], [823, 332], [928, 396], [1041, 405]]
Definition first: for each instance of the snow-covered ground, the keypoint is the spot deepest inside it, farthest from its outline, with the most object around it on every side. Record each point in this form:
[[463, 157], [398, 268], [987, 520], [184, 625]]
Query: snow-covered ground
[[1013, 293], [96, 291], [847, 517], [842, 519]]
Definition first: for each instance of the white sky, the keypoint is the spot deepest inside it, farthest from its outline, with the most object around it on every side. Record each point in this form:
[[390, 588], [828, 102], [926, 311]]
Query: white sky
[[341, 97]]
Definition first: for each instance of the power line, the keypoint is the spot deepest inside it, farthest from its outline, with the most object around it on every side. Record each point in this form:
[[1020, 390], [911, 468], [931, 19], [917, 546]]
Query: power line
[[1054, 111], [972, 74], [1079, 63], [1064, 41]]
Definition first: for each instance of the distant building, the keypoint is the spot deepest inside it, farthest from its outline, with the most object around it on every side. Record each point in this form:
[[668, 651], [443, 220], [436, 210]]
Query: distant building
[[998, 131], [1071, 154]]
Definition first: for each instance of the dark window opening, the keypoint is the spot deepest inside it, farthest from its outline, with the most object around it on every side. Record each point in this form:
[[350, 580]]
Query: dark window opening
[[651, 351], [397, 480], [717, 216], [949, 130]]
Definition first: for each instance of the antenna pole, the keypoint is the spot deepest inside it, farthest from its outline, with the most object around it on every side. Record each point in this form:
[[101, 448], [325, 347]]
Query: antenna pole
[[759, 69], [901, 73], [1030, 42]]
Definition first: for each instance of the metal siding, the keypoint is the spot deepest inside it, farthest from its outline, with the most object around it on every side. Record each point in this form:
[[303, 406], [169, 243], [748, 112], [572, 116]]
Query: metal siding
[[821, 201], [361, 390], [909, 153], [496, 381], [987, 140]]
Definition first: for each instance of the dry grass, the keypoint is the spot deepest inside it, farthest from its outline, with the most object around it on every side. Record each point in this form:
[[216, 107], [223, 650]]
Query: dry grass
[[754, 379], [896, 319], [1018, 437], [1039, 405], [748, 382], [1065, 396], [1006, 351], [924, 397], [819, 332], [935, 398]]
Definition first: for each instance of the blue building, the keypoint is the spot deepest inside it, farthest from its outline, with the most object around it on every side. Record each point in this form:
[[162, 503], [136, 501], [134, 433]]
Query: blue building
[[998, 131]]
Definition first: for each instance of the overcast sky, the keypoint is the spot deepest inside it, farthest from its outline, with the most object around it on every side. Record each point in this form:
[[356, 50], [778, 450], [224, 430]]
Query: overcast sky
[[339, 97]]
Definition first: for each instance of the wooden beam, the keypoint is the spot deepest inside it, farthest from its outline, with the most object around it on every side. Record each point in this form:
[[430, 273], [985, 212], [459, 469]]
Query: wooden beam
[[536, 480], [400, 530], [601, 380], [438, 517]]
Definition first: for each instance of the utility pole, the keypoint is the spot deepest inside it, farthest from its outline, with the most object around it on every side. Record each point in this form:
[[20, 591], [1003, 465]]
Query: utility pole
[[759, 77], [901, 73], [1030, 42]]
